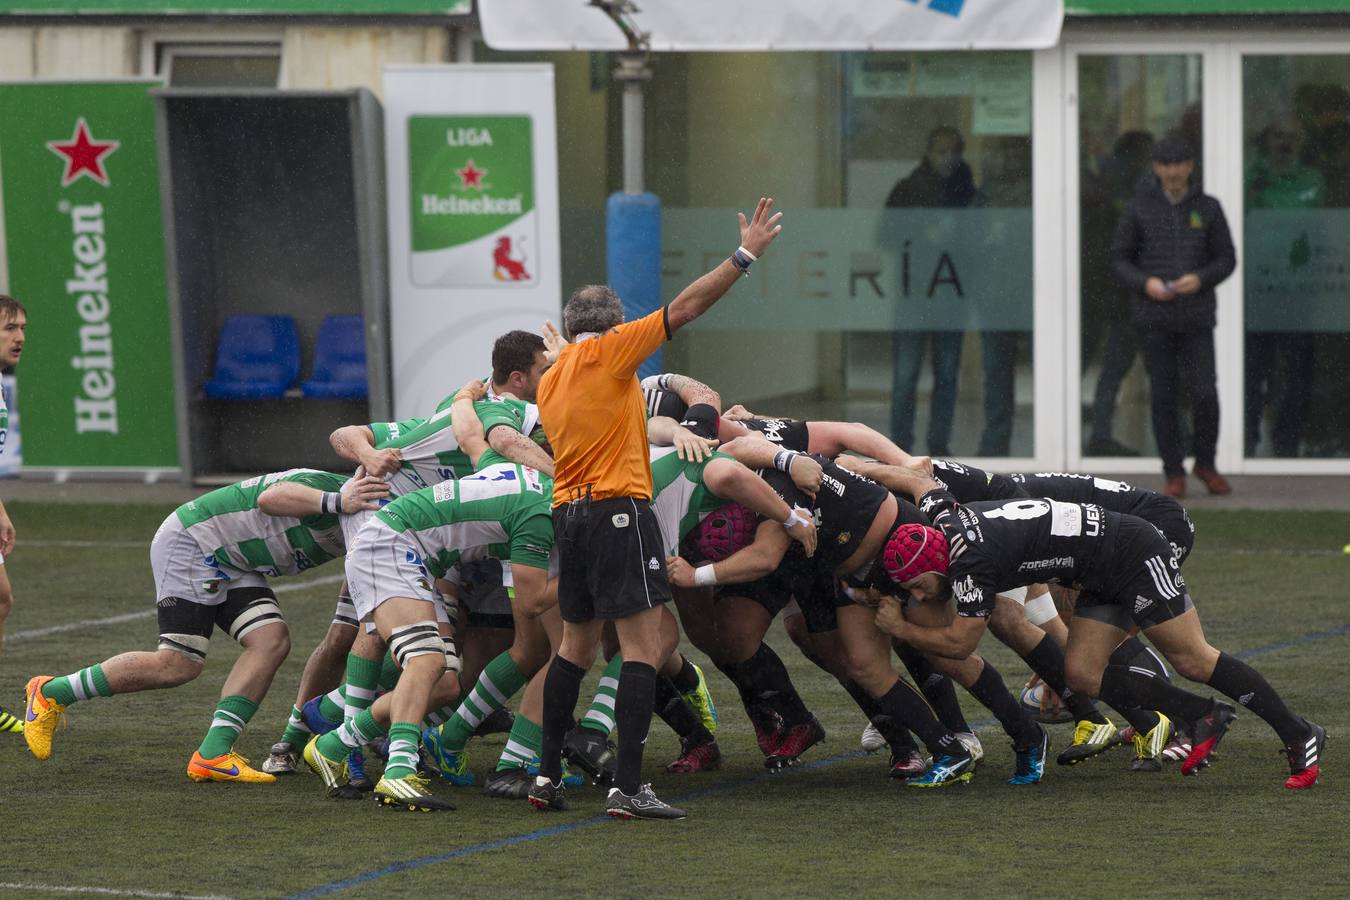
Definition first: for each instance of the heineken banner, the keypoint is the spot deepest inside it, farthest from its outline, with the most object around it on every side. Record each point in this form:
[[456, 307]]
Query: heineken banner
[[85, 254], [473, 219]]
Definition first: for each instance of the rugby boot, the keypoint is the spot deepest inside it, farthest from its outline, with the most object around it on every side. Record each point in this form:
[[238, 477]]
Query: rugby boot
[[769, 729], [499, 721], [1305, 759], [333, 772], [948, 769], [281, 759], [1031, 760], [591, 752], [10, 722], [872, 741], [701, 699], [1089, 739], [908, 764], [1148, 748], [545, 795], [642, 805], [508, 784], [451, 765], [226, 767], [971, 741], [1175, 486], [40, 717], [795, 741], [411, 793], [1206, 733], [696, 758], [356, 772]]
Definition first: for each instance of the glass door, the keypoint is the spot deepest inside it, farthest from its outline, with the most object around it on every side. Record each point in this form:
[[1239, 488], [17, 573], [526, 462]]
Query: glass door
[[1126, 103]]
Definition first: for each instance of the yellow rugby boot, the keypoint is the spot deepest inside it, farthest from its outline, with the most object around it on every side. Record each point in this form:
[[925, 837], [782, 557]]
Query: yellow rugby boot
[[40, 717], [226, 767]]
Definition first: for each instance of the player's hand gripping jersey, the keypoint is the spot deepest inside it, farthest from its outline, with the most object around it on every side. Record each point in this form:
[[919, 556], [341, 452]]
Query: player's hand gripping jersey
[[227, 525]]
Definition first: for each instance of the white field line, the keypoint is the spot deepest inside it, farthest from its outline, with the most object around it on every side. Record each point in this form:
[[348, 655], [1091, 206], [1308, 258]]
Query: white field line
[[107, 892], [45, 543], [31, 633]]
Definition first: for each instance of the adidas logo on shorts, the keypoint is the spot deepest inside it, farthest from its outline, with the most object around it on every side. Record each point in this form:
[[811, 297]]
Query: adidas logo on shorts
[[1141, 603]]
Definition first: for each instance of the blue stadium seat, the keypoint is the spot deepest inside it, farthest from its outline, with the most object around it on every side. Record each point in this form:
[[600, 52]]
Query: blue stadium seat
[[339, 360], [258, 357]]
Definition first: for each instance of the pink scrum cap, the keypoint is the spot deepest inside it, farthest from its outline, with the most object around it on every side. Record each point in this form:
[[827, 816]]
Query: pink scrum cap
[[914, 550], [724, 531]]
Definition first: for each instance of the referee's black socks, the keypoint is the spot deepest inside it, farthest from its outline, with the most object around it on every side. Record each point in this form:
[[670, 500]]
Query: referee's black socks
[[633, 717], [562, 685]]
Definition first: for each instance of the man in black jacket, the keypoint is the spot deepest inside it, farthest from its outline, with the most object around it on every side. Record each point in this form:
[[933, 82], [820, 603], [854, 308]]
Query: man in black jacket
[[1171, 248]]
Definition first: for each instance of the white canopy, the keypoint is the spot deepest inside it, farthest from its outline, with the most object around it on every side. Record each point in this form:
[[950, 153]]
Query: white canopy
[[737, 25]]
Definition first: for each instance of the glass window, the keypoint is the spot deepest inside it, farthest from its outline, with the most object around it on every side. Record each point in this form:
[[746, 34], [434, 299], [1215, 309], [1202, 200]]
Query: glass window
[[1125, 104], [1296, 126], [219, 65]]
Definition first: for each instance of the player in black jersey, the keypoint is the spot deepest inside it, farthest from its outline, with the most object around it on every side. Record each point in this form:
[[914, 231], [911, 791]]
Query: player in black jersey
[[1126, 572], [854, 517], [1038, 637]]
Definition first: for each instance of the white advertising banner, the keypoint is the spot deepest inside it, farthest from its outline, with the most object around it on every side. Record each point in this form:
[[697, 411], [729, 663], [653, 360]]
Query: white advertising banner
[[472, 165], [693, 25]]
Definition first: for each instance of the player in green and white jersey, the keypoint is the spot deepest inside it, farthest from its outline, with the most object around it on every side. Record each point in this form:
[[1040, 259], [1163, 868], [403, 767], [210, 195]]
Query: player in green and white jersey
[[502, 512], [411, 454], [211, 560], [13, 326]]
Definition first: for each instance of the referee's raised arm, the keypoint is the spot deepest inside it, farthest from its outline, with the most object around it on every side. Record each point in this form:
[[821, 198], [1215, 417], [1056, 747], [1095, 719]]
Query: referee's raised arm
[[612, 562]]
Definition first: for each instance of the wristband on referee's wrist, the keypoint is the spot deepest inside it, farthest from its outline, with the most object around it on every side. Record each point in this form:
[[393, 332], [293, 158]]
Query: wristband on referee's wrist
[[782, 460], [330, 502], [705, 575], [741, 258]]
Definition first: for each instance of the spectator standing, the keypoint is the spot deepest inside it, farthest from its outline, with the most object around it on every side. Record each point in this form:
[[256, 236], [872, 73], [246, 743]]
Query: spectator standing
[[13, 329], [942, 180], [1171, 249], [611, 557]]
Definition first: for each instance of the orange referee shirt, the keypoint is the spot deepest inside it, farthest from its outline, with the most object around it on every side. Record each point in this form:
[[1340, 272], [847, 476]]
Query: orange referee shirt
[[592, 405]]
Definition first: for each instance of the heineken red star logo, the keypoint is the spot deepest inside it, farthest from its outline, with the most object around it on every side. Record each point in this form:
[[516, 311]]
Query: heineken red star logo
[[471, 176], [84, 155]]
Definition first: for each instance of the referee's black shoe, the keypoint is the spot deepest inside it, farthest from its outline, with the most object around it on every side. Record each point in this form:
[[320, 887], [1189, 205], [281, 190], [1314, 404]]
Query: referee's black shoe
[[545, 795], [642, 805]]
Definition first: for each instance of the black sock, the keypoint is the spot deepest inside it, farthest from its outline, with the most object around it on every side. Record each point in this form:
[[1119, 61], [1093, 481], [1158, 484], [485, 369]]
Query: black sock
[[1047, 660], [766, 680], [1125, 688], [818, 663], [895, 734], [1250, 689], [633, 718], [1142, 720], [1134, 652], [990, 690], [562, 684], [676, 712], [907, 706], [729, 671], [937, 688], [686, 679]]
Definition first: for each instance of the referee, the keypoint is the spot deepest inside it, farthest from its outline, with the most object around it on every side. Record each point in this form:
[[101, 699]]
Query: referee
[[612, 561]]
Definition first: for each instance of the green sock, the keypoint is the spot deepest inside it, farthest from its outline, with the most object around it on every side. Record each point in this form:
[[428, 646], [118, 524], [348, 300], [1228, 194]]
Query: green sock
[[232, 714], [403, 741], [297, 733], [350, 735], [600, 717], [389, 672], [85, 684], [362, 677], [333, 706], [498, 683], [521, 746], [438, 717]]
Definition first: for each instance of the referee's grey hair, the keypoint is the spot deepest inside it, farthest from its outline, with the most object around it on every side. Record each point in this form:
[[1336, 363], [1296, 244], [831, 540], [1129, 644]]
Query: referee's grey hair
[[593, 307]]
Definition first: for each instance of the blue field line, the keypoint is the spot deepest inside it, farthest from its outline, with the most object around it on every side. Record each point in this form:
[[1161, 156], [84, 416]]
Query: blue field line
[[542, 833]]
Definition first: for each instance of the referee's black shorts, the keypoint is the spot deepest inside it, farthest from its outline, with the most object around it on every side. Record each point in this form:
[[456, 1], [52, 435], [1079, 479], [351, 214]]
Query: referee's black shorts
[[611, 559]]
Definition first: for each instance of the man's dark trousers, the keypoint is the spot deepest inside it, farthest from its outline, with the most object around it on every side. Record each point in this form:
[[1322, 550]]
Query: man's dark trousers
[[1174, 359]]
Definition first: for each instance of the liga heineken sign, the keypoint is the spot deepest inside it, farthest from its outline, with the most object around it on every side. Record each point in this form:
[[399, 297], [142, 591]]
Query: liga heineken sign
[[473, 219], [85, 254], [471, 181]]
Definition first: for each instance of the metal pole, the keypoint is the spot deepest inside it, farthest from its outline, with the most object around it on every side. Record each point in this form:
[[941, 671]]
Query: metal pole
[[632, 72]]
